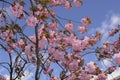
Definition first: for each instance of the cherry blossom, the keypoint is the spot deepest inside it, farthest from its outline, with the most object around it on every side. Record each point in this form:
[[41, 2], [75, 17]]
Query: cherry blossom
[[76, 45], [69, 27], [2, 77], [117, 58], [32, 21], [55, 2], [86, 21], [82, 29], [114, 31], [0, 15], [47, 71], [84, 75], [54, 78], [102, 76], [21, 43], [67, 5], [78, 3], [54, 42], [53, 25], [42, 42], [111, 33], [73, 66], [17, 10], [27, 49], [92, 67], [58, 55]]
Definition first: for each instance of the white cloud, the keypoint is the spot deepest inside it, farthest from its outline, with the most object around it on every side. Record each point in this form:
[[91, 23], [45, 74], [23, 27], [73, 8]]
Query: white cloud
[[109, 23], [28, 76], [112, 76], [7, 77], [115, 74], [106, 63]]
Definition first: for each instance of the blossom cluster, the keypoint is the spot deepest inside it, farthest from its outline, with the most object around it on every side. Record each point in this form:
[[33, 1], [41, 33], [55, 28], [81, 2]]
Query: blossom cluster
[[86, 22], [53, 44], [17, 10], [114, 31], [2, 77]]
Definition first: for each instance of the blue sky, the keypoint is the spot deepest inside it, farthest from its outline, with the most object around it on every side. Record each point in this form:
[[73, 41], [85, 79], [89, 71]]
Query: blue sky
[[97, 10], [103, 14]]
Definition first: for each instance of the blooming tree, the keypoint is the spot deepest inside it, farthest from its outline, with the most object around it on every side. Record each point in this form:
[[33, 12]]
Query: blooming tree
[[52, 42]]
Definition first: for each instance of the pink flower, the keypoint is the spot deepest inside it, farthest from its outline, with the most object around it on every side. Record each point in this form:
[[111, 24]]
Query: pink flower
[[84, 75], [17, 10], [51, 51], [54, 78], [78, 3], [48, 71], [117, 58], [67, 60], [52, 34], [44, 12], [62, 1], [9, 50], [86, 21], [76, 45], [72, 77], [27, 49], [2, 77], [102, 76], [111, 69], [42, 42], [58, 55], [85, 42], [82, 29], [32, 21], [0, 15], [104, 46], [7, 33], [53, 25], [112, 32], [73, 66], [116, 44], [55, 2], [39, 6], [21, 43], [69, 27], [69, 39], [33, 38], [67, 5], [37, 13], [0, 35], [91, 66], [14, 45]]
